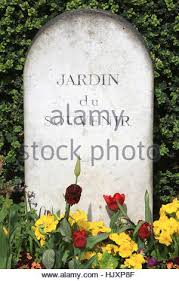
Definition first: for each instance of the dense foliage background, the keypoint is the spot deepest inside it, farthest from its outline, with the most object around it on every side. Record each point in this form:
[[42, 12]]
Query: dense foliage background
[[157, 21]]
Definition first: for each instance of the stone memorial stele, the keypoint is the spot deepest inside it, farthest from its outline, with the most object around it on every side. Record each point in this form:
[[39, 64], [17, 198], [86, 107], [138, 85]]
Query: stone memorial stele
[[88, 83]]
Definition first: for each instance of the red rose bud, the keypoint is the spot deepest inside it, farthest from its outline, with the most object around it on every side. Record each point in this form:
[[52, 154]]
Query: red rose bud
[[111, 201], [144, 231], [79, 239], [73, 194]]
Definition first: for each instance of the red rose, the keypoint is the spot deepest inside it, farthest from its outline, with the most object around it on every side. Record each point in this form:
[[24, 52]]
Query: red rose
[[79, 239], [73, 194], [144, 231], [111, 201]]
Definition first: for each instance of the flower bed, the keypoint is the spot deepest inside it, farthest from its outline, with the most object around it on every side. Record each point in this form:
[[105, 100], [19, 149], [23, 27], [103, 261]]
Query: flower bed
[[70, 240]]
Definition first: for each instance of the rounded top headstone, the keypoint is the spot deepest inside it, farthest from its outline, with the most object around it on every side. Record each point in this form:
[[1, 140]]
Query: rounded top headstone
[[94, 17], [88, 83]]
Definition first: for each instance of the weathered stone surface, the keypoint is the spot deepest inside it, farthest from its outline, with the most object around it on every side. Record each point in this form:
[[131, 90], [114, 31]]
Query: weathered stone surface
[[79, 62]]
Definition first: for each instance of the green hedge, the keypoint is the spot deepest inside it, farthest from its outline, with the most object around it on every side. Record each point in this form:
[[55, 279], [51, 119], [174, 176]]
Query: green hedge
[[156, 20]]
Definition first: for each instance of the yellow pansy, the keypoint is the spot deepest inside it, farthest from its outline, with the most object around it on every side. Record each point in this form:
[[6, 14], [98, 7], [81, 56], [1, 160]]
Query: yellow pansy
[[99, 256], [119, 238], [80, 218], [88, 255], [77, 216], [126, 249], [98, 227], [165, 238], [48, 222], [135, 261], [42, 241], [173, 226], [110, 249], [37, 232], [177, 215], [44, 225], [170, 208], [166, 226], [126, 245]]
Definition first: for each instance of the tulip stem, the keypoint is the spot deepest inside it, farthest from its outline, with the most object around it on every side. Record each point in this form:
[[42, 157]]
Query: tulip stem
[[67, 211], [124, 212], [76, 181]]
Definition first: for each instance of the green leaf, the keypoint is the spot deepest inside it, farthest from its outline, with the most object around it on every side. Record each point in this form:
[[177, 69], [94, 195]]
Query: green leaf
[[162, 252], [93, 240], [32, 234], [65, 256], [71, 264], [176, 246], [154, 254], [123, 209], [108, 261], [65, 230], [74, 263], [137, 228], [9, 261], [89, 263], [114, 222], [58, 260], [41, 229], [48, 258], [3, 214], [13, 218], [4, 249], [125, 227], [140, 243], [120, 223], [148, 214]]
